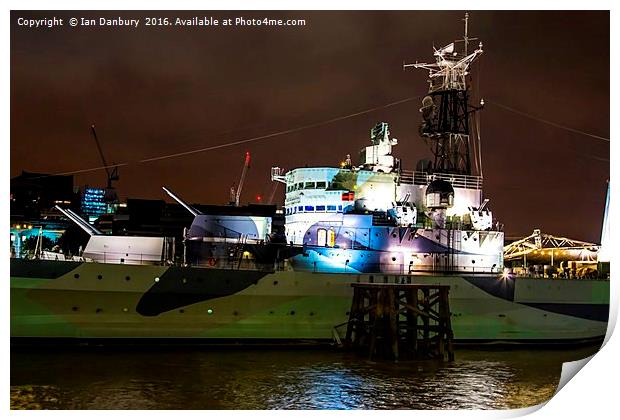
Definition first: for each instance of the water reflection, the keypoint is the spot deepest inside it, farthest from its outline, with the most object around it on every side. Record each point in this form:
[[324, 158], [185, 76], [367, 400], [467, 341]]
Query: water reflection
[[208, 378]]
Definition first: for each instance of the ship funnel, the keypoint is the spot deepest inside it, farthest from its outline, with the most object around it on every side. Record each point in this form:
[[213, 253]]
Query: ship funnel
[[87, 227], [181, 202]]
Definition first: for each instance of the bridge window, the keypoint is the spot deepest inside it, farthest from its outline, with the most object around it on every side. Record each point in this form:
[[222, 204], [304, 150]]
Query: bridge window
[[320, 208], [321, 184], [300, 186], [331, 208], [339, 208], [309, 185], [309, 208]]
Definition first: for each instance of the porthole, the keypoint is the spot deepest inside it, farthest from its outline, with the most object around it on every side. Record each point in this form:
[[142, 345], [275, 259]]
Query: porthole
[[77, 276], [393, 258], [292, 312], [127, 278], [311, 313], [74, 309], [275, 282], [99, 277], [98, 310], [182, 311]]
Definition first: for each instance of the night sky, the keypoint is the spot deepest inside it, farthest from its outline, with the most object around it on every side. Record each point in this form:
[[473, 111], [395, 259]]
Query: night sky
[[160, 91]]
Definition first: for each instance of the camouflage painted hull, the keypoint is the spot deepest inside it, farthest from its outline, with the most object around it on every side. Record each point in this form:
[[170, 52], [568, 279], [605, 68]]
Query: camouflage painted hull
[[54, 299]]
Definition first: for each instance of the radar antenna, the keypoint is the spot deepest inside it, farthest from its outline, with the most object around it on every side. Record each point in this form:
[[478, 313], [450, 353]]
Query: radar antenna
[[445, 110]]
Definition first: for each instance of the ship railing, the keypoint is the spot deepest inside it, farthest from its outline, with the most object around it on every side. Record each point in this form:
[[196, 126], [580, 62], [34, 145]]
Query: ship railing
[[394, 268], [457, 181], [237, 265], [560, 276]]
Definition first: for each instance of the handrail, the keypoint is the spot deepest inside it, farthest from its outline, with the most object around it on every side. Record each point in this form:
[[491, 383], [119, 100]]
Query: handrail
[[457, 180]]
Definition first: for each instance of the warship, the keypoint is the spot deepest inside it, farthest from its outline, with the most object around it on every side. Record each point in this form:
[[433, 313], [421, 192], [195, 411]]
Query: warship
[[237, 278]]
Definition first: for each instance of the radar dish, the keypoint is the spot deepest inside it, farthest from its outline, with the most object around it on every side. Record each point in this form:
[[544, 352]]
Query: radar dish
[[428, 108]]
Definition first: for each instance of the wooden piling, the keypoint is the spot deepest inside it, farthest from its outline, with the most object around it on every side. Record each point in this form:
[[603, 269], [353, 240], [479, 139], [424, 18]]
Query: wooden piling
[[400, 321]]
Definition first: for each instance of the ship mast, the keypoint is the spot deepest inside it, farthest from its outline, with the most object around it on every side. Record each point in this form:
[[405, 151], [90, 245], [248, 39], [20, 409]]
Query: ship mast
[[445, 110]]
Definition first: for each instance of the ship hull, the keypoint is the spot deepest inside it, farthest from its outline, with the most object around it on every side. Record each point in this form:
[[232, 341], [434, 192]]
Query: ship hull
[[83, 301]]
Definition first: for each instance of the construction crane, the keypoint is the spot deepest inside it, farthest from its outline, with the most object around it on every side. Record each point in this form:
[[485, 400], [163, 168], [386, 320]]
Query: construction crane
[[113, 175], [237, 191]]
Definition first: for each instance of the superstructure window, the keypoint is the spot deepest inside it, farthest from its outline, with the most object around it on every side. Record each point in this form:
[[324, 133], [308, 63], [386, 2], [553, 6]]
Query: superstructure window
[[300, 186], [320, 208], [309, 208], [331, 208], [300, 208], [331, 238], [339, 208], [309, 185], [321, 184]]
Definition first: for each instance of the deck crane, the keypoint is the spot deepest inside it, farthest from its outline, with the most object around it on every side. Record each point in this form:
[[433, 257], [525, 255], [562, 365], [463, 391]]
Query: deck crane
[[237, 195], [113, 175]]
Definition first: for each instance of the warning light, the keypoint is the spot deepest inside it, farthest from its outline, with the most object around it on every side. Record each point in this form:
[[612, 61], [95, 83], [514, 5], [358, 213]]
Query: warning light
[[259, 198]]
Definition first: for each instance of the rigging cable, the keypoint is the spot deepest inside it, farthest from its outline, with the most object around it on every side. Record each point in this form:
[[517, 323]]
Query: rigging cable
[[234, 143], [516, 111], [279, 133], [477, 120]]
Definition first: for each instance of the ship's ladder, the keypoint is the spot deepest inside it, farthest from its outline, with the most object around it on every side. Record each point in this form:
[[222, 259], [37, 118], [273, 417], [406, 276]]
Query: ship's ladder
[[239, 248]]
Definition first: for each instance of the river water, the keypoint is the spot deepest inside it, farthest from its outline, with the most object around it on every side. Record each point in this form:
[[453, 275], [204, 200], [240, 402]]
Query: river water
[[280, 378]]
